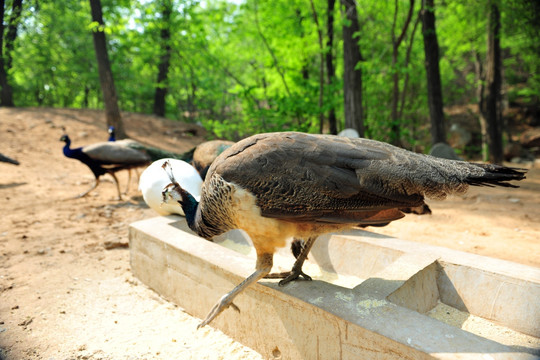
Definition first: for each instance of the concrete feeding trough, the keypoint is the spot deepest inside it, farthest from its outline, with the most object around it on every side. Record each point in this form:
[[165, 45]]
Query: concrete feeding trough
[[372, 296]]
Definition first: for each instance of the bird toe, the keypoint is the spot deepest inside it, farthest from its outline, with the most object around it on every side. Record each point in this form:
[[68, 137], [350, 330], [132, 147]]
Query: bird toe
[[294, 275], [221, 305]]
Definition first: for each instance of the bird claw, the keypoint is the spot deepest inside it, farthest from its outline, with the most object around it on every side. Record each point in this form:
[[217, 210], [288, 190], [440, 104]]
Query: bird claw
[[221, 305], [288, 276], [294, 275]]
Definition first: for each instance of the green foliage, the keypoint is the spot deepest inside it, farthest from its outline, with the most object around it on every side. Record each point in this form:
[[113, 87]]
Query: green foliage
[[252, 66], [52, 61]]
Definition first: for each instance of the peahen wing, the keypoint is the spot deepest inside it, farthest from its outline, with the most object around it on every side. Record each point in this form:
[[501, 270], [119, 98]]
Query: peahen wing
[[302, 177]]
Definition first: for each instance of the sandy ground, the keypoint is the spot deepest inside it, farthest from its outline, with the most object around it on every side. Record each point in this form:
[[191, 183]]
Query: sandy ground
[[66, 290]]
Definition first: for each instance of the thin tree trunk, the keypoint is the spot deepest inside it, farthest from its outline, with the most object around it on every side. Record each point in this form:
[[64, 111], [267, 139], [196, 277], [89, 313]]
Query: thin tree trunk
[[492, 101], [405, 65], [321, 67], [164, 59], [305, 61], [269, 48], [105, 74], [480, 96], [3, 72], [330, 69], [192, 95], [352, 76], [433, 75], [6, 59], [396, 42], [404, 91], [86, 96]]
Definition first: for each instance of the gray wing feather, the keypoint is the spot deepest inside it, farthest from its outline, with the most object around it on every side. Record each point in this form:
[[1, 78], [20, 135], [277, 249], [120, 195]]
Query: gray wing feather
[[115, 153], [303, 175]]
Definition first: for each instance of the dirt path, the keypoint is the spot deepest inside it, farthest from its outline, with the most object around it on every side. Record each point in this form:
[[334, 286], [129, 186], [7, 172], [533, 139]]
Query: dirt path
[[66, 290]]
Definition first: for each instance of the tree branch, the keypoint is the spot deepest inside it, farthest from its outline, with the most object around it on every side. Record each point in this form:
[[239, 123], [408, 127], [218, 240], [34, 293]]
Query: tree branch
[[405, 26], [228, 73], [267, 45], [406, 64]]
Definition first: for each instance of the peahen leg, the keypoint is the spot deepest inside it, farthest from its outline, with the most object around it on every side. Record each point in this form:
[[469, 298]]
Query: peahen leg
[[296, 248], [297, 267], [264, 265]]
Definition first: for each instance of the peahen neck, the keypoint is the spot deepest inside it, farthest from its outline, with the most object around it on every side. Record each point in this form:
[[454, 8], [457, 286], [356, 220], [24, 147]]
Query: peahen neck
[[206, 226], [190, 206]]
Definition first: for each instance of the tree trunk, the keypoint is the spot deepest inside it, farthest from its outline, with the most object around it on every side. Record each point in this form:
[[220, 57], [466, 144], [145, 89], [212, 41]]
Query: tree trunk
[[3, 72], [406, 65], [330, 69], [433, 75], [6, 95], [491, 102], [479, 79], [352, 76], [192, 95], [86, 96], [164, 60], [276, 64], [413, 124], [305, 62], [396, 42], [321, 67], [105, 74]]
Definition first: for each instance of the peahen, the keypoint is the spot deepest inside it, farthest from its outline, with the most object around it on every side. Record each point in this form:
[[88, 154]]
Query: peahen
[[277, 186]]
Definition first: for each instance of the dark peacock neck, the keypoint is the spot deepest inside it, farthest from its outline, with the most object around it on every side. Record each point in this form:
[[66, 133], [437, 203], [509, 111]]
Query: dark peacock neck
[[78, 154], [190, 206], [72, 153], [112, 135]]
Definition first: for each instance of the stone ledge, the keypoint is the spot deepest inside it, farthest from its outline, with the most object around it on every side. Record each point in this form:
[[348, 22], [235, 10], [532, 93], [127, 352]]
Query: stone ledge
[[379, 312]]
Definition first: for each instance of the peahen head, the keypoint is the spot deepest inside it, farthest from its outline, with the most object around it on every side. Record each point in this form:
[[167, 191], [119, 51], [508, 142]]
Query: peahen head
[[175, 192]]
